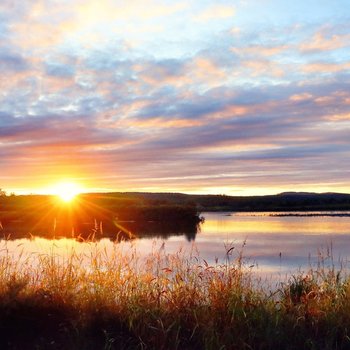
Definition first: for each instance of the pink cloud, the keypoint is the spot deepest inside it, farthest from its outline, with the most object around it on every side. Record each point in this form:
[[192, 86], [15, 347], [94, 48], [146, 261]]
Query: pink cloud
[[325, 67], [323, 42], [203, 70], [258, 67]]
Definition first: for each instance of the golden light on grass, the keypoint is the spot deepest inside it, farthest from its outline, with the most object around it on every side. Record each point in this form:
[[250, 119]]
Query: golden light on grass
[[67, 191], [161, 299]]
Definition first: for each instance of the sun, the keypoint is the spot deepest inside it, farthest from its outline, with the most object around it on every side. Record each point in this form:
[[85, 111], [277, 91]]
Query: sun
[[67, 191]]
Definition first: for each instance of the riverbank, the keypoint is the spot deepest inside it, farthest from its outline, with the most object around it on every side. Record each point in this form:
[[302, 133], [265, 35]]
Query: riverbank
[[166, 302], [118, 217]]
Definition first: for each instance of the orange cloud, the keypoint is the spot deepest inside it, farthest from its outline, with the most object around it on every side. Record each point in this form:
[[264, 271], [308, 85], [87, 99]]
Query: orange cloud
[[301, 97], [87, 21], [320, 67], [263, 66], [52, 84], [339, 117], [34, 31], [205, 71], [163, 123], [321, 42], [324, 100], [232, 111]]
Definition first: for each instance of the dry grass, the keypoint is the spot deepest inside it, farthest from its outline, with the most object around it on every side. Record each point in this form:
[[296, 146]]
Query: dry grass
[[115, 300]]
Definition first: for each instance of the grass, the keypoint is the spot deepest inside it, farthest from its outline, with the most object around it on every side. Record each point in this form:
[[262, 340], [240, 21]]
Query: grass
[[111, 299]]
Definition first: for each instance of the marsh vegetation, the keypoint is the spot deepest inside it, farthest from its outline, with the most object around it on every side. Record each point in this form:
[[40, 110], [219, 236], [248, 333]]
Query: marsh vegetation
[[166, 301]]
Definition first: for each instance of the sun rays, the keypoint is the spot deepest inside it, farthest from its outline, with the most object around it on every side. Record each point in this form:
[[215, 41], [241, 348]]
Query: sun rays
[[66, 191]]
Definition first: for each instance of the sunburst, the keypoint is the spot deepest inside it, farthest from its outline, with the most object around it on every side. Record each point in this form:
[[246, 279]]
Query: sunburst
[[67, 191]]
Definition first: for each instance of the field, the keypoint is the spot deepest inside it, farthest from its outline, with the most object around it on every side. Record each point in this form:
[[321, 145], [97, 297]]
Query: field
[[116, 301]]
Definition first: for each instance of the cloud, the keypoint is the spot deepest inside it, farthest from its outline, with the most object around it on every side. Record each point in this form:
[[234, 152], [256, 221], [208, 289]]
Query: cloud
[[11, 61], [323, 41], [262, 50], [60, 70], [304, 96], [215, 12], [325, 67], [39, 25], [206, 70], [263, 67], [214, 109]]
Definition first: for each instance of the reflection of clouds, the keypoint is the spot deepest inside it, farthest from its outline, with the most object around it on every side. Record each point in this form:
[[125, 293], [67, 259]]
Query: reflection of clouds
[[299, 240], [277, 253], [263, 223]]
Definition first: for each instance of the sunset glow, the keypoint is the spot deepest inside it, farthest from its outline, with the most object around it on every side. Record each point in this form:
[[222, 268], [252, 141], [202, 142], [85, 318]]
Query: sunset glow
[[66, 191], [234, 97]]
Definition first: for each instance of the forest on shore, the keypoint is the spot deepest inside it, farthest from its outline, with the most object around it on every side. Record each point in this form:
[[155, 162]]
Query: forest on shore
[[122, 214]]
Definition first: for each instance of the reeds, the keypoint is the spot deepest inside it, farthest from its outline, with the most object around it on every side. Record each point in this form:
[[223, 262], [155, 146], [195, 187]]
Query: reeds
[[115, 299]]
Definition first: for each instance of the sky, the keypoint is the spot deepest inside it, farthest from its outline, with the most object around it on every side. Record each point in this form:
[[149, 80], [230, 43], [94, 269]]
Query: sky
[[235, 97]]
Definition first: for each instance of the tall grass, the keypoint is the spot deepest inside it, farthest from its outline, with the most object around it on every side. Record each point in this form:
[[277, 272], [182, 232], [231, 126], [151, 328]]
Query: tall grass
[[115, 299]]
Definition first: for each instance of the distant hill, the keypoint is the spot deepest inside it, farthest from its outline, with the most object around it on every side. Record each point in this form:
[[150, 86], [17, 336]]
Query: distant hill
[[286, 201]]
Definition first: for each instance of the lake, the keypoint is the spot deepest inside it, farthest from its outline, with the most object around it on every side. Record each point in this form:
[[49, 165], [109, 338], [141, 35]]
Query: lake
[[271, 244]]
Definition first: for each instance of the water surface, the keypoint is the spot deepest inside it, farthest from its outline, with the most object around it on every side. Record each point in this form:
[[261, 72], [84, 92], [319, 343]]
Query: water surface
[[274, 245]]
